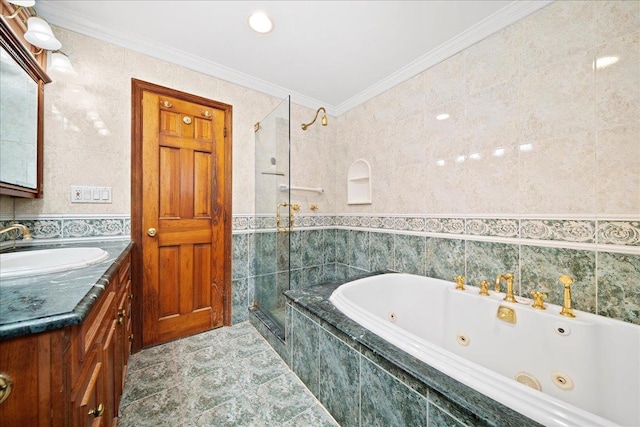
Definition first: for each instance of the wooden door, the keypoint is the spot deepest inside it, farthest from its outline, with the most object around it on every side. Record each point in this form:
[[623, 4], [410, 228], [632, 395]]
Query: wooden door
[[184, 222]]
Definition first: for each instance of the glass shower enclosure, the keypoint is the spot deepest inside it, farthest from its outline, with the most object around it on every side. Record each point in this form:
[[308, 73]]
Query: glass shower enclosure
[[272, 213]]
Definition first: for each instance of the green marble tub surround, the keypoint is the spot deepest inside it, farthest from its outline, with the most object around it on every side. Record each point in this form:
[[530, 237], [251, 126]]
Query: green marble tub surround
[[410, 391], [51, 301], [619, 286], [542, 266], [445, 258], [410, 254], [486, 260]]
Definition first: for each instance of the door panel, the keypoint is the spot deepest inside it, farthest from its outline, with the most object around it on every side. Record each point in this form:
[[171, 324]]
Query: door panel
[[183, 263]]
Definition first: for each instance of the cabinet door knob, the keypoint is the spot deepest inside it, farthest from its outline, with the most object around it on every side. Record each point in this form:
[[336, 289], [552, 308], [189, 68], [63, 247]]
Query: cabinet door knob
[[131, 337], [121, 315], [97, 411], [5, 387], [152, 232]]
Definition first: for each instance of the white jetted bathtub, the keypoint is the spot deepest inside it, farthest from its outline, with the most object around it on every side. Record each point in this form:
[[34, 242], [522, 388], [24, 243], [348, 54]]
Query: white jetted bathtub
[[582, 371]]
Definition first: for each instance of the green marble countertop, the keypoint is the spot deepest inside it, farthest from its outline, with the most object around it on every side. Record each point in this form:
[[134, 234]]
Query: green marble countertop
[[33, 304]]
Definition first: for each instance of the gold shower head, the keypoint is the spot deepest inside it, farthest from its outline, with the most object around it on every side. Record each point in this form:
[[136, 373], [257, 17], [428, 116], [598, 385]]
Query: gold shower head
[[324, 119]]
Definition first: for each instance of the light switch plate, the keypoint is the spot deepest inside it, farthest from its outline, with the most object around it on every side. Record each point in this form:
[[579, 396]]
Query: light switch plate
[[84, 194]]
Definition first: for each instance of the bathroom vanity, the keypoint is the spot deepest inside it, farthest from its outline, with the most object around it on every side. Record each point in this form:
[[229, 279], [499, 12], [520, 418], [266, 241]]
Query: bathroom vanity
[[65, 339]]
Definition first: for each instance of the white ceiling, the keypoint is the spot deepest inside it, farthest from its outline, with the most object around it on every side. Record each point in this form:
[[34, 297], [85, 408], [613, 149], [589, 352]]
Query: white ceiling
[[332, 53]]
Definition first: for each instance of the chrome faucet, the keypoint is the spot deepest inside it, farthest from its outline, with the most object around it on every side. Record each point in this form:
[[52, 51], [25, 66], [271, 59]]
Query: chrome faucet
[[26, 234], [508, 278]]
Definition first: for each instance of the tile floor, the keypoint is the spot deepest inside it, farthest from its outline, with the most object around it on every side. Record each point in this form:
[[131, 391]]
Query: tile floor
[[226, 377]]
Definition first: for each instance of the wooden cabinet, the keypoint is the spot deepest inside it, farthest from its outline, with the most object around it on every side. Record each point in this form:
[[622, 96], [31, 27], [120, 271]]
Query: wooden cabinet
[[74, 376]]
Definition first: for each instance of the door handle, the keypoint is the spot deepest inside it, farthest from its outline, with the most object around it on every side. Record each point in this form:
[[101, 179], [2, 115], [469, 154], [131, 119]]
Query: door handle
[[152, 232]]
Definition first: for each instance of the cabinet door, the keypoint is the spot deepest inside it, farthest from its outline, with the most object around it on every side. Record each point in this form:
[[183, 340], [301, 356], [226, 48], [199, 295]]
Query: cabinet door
[[110, 379], [88, 404]]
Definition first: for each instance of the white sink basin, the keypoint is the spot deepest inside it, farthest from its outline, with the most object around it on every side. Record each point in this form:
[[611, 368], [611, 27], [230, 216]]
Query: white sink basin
[[31, 263]]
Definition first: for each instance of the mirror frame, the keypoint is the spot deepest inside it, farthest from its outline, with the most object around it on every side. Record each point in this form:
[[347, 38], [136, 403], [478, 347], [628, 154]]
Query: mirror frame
[[25, 58]]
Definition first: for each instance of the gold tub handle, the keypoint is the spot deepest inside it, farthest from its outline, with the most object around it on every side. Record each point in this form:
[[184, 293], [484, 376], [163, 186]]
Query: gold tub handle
[[294, 208]]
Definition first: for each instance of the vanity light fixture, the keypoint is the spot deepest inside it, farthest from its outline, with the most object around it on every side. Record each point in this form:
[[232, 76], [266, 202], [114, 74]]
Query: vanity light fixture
[[260, 22], [498, 152], [38, 33], [443, 116], [440, 162], [526, 147], [60, 65], [474, 156], [460, 158], [23, 3]]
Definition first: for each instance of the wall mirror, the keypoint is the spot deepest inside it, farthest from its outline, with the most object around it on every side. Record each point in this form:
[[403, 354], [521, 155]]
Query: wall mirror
[[22, 82]]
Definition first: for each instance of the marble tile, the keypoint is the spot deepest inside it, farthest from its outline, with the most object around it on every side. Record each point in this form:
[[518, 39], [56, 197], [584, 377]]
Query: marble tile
[[147, 381], [442, 81], [557, 176], [439, 418], [619, 286], [265, 253], [240, 300], [492, 61], [486, 260], [160, 409], [617, 162], [579, 231], [313, 275], [281, 399], [329, 272], [205, 392], [43, 229], [386, 401], [92, 227], [206, 361], [619, 233], [359, 249], [446, 411], [409, 255], [329, 236], [342, 246], [283, 251], [296, 248], [266, 291], [615, 19], [541, 267], [492, 116], [381, 251], [162, 354], [557, 99], [260, 368], [247, 345], [312, 248], [304, 350], [554, 33], [315, 416], [236, 412], [445, 225], [493, 227], [618, 85], [338, 388], [444, 258]]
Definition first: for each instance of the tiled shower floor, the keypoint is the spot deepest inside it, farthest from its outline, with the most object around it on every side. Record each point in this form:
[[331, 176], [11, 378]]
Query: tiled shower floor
[[226, 377]]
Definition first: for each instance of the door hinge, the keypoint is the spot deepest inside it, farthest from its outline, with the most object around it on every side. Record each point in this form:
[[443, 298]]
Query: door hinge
[[224, 216], [225, 132]]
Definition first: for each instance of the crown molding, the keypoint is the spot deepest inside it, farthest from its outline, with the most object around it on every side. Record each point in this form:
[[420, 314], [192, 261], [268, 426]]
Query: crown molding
[[506, 16]]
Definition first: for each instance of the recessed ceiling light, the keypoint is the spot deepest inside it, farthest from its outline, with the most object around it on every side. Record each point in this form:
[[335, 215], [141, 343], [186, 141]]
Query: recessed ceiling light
[[260, 22], [443, 116]]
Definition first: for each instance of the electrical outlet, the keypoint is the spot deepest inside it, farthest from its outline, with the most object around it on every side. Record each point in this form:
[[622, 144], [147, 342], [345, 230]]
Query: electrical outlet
[[84, 194]]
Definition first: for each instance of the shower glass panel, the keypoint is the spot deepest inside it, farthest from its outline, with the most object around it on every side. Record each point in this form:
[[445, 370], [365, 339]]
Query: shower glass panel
[[271, 247]]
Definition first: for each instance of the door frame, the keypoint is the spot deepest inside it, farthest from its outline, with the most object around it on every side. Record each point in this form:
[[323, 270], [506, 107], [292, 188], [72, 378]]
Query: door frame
[[137, 89]]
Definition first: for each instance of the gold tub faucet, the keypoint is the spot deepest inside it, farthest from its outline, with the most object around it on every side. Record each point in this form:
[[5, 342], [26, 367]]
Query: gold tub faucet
[[508, 278], [26, 234], [566, 281]]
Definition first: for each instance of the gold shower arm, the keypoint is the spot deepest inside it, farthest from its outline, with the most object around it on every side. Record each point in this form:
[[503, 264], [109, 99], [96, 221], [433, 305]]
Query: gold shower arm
[[324, 119]]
